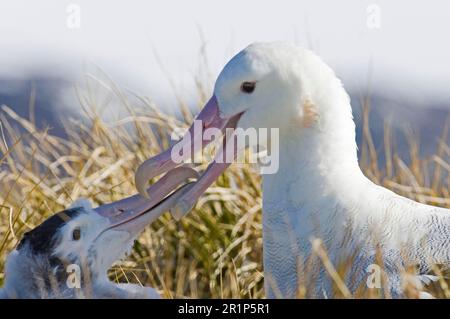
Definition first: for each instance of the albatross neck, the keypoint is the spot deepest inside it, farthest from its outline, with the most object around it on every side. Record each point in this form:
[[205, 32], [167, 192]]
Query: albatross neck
[[317, 165]]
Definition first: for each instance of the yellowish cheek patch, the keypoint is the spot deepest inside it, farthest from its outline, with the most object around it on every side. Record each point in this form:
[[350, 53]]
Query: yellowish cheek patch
[[310, 114]]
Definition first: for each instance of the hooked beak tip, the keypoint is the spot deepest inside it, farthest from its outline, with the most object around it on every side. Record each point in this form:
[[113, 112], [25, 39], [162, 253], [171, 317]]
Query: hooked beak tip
[[210, 117]]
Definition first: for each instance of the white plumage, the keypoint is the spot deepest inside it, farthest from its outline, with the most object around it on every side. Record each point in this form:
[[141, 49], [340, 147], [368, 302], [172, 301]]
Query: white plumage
[[319, 190]]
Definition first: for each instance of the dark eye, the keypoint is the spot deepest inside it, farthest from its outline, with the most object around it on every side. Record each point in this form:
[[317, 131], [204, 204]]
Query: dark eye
[[248, 87], [76, 234]]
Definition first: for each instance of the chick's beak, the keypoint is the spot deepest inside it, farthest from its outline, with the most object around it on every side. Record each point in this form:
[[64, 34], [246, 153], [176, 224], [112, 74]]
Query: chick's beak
[[135, 212]]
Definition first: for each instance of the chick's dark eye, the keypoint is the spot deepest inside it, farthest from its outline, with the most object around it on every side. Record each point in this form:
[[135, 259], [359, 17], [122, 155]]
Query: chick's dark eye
[[76, 234], [248, 87]]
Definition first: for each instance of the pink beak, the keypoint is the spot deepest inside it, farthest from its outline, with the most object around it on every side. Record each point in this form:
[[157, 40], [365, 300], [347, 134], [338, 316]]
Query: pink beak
[[135, 212], [210, 118]]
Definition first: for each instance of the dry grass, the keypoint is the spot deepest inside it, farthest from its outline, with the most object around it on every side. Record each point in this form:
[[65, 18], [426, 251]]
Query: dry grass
[[215, 252]]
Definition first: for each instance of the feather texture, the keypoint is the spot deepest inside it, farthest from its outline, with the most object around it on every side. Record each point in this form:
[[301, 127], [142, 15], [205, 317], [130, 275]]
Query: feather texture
[[319, 190]]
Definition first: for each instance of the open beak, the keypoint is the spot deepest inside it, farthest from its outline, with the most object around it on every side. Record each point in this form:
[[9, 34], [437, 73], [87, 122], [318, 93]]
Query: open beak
[[209, 117], [134, 213]]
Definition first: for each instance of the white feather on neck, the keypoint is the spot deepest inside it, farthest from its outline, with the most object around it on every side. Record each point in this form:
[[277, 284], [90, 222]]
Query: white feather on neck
[[317, 163], [321, 192], [317, 184]]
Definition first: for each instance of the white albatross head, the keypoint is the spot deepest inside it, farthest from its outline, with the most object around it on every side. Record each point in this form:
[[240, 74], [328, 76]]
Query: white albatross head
[[266, 85], [81, 243]]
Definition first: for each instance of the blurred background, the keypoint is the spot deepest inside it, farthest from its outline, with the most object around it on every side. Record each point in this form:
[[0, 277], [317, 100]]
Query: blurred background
[[392, 55], [112, 80]]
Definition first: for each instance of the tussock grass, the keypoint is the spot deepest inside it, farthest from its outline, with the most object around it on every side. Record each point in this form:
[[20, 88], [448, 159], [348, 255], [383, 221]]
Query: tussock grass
[[214, 252]]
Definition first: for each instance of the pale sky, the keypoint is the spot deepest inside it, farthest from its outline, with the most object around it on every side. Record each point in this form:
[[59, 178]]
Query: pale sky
[[408, 52]]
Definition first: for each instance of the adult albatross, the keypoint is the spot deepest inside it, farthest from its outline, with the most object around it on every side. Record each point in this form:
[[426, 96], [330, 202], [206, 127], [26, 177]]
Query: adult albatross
[[319, 190]]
